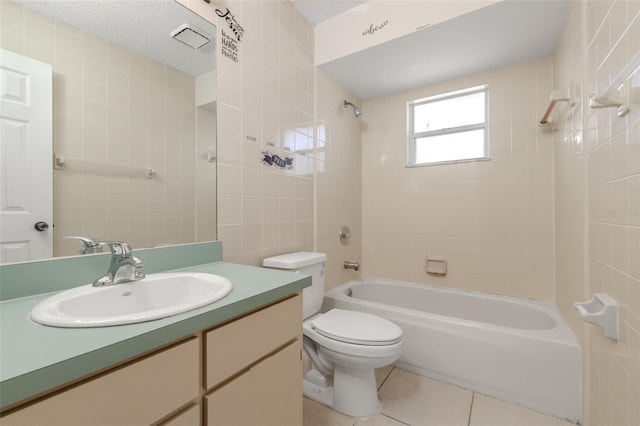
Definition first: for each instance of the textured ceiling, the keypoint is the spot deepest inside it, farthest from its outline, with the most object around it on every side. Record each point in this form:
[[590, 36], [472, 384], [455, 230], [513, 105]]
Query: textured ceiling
[[143, 26]]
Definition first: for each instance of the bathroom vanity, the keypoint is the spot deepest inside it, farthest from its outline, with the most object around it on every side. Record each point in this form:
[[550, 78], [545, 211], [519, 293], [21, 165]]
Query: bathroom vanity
[[247, 371], [236, 361]]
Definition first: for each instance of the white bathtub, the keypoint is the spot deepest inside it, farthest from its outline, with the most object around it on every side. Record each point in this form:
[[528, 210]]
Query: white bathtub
[[515, 349]]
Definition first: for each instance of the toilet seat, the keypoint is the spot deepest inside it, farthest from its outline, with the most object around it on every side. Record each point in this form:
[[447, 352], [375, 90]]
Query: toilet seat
[[358, 328]]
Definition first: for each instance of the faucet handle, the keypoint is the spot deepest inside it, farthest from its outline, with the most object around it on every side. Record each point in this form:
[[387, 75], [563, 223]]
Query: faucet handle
[[119, 248], [122, 249]]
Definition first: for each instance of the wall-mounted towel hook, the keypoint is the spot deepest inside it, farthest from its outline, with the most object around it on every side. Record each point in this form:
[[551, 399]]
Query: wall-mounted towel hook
[[602, 311], [569, 95]]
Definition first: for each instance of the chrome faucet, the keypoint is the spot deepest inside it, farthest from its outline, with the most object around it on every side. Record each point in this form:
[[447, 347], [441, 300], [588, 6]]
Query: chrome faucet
[[351, 265], [123, 265], [89, 245]]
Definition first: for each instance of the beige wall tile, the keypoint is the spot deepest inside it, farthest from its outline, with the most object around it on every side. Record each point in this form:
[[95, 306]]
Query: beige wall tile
[[601, 217], [253, 115], [488, 204]]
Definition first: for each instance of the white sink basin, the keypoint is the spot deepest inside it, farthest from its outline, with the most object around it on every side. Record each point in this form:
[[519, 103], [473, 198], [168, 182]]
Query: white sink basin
[[154, 297]]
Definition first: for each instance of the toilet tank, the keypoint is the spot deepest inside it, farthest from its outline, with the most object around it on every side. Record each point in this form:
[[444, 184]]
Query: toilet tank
[[308, 263]]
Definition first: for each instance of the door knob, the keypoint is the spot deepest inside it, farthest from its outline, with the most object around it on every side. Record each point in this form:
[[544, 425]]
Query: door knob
[[41, 226]]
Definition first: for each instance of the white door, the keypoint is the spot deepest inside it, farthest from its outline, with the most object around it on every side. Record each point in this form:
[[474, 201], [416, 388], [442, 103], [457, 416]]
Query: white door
[[26, 159]]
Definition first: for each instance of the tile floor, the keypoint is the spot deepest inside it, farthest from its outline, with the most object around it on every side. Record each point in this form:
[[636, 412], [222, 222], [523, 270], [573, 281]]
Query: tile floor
[[409, 399]]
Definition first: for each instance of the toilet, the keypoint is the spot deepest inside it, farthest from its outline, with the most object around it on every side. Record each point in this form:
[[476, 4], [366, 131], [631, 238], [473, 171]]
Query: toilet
[[341, 348]]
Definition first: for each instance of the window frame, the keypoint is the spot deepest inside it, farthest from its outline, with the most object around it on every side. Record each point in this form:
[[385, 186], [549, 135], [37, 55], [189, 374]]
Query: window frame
[[413, 137]]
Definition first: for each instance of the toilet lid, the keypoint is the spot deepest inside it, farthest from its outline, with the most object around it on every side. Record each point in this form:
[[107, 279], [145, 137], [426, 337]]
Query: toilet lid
[[357, 327]]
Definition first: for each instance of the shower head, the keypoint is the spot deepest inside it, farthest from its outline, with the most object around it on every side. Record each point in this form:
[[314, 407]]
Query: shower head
[[357, 111]]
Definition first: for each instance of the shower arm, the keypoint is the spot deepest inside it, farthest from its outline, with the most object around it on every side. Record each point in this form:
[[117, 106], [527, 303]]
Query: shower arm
[[357, 111]]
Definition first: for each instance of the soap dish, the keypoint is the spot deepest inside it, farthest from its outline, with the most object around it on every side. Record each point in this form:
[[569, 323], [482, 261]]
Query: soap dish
[[602, 311]]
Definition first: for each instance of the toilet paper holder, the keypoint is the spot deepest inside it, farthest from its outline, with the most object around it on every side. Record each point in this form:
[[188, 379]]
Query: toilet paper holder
[[602, 311]]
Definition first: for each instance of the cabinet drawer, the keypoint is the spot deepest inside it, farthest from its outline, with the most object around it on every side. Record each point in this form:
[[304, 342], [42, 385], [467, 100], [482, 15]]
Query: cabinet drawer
[[269, 393], [236, 345], [139, 393]]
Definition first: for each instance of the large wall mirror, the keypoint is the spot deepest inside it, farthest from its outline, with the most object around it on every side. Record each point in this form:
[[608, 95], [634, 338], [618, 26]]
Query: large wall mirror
[[133, 118]]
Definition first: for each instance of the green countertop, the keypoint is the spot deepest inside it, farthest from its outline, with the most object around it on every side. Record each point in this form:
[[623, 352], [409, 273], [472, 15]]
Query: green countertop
[[36, 358]]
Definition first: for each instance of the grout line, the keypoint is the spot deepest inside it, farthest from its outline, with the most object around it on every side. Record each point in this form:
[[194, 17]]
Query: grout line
[[473, 395], [378, 389], [394, 419], [385, 379]]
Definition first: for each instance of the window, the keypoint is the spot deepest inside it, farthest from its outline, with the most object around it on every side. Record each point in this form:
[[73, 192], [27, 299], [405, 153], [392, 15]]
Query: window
[[449, 128]]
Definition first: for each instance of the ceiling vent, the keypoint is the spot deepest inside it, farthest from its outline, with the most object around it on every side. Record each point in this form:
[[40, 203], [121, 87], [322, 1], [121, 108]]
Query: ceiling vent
[[191, 36]]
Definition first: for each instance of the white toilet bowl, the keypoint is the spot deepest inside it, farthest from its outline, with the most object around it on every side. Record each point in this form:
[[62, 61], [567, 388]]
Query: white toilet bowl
[[339, 344], [354, 344]]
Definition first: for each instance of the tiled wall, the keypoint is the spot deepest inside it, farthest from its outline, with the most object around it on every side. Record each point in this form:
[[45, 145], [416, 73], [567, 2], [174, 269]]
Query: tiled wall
[[115, 114], [265, 104], [597, 193], [271, 101], [339, 186], [492, 220], [206, 179]]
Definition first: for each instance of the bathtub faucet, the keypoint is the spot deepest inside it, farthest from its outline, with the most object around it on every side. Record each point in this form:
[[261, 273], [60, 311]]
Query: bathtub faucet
[[351, 265]]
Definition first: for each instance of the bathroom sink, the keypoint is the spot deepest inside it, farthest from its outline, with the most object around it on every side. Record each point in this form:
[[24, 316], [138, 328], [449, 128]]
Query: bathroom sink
[[156, 296]]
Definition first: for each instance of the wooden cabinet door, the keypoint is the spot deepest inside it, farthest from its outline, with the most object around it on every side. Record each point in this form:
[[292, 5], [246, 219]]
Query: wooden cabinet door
[[139, 393], [270, 393], [231, 348]]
